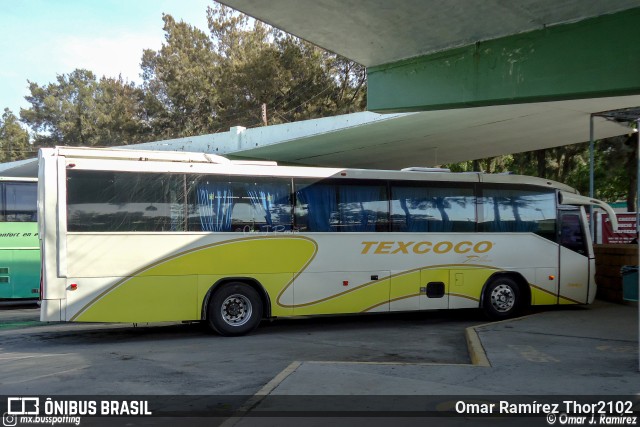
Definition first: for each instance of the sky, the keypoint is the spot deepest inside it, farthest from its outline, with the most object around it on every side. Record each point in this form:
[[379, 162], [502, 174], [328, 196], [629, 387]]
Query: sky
[[40, 39]]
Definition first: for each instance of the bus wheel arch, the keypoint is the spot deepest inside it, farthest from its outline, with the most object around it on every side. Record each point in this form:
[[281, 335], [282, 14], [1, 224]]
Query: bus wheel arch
[[505, 295], [235, 306]]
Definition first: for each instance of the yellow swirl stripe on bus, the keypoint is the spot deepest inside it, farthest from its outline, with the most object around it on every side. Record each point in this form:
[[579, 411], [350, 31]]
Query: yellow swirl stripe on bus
[[372, 295], [174, 288], [540, 296]]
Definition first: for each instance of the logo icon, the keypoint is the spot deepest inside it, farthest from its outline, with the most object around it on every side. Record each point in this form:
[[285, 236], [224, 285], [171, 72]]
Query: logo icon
[[23, 405], [9, 420], [20, 406]]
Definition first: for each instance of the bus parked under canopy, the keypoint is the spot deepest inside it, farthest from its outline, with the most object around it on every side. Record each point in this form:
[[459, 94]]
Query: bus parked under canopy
[[140, 236]]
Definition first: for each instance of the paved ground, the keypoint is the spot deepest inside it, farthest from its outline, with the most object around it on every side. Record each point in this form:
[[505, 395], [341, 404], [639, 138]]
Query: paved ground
[[415, 362], [184, 359], [574, 350], [570, 353]]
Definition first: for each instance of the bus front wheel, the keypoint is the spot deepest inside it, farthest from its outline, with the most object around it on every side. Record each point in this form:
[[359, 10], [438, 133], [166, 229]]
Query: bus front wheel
[[234, 309], [502, 298]]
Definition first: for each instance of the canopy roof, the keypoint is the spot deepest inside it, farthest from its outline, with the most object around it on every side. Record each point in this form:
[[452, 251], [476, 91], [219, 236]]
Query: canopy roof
[[396, 141], [375, 32]]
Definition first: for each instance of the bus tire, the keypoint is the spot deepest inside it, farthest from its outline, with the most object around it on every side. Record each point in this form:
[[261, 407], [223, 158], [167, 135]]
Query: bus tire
[[502, 298], [234, 309]]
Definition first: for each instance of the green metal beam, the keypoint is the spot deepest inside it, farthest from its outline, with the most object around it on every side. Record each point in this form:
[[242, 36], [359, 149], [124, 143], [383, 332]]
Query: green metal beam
[[592, 58]]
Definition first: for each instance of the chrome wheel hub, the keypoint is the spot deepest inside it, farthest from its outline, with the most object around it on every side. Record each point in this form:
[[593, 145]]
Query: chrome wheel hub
[[503, 298], [236, 310]]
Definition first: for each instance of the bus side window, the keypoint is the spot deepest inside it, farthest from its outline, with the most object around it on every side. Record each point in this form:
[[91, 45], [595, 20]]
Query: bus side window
[[316, 207], [261, 205], [241, 204], [341, 207], [571, 233], [421, 208], [518, 211], [20, 202], [106, 201]]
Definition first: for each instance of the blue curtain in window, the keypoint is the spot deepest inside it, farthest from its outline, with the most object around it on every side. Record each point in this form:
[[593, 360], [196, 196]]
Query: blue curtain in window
[[353, 215], [321, 204], [267, 198], [215, 204]]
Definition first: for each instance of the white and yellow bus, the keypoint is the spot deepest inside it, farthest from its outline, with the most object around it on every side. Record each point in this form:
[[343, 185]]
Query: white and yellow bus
[[144, 236]]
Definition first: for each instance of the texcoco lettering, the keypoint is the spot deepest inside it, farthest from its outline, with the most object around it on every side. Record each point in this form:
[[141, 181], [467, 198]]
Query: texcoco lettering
[[441, 247]]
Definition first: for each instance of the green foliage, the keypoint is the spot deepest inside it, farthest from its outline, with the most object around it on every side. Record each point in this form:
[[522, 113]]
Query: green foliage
[[614, 167], [180, 82], [121, 117], [60, 112], [498, 164], [196, 84], [14, 141], [80, 110]]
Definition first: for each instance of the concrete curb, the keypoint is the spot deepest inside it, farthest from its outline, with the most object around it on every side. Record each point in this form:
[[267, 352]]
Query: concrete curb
[[477, 354], [474, 347], [476, 350]]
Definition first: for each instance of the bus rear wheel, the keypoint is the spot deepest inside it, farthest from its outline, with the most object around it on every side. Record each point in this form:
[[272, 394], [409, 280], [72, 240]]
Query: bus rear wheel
[[234, 309], [502, 298]]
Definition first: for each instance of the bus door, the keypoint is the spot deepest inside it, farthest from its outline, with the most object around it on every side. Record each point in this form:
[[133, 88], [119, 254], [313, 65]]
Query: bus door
[[575, 257]]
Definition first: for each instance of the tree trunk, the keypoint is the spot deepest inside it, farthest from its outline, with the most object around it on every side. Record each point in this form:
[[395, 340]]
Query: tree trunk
[[541, 157]]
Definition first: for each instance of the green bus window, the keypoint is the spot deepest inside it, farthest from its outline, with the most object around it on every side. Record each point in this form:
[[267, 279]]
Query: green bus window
[[20, 202]]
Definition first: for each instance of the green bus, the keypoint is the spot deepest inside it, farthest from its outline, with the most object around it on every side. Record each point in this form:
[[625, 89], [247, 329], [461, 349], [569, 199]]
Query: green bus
[[19, 244]]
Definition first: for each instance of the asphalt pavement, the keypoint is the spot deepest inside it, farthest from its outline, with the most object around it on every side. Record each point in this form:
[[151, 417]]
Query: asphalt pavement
[[569, 350], [573, 351], [565, 351]]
